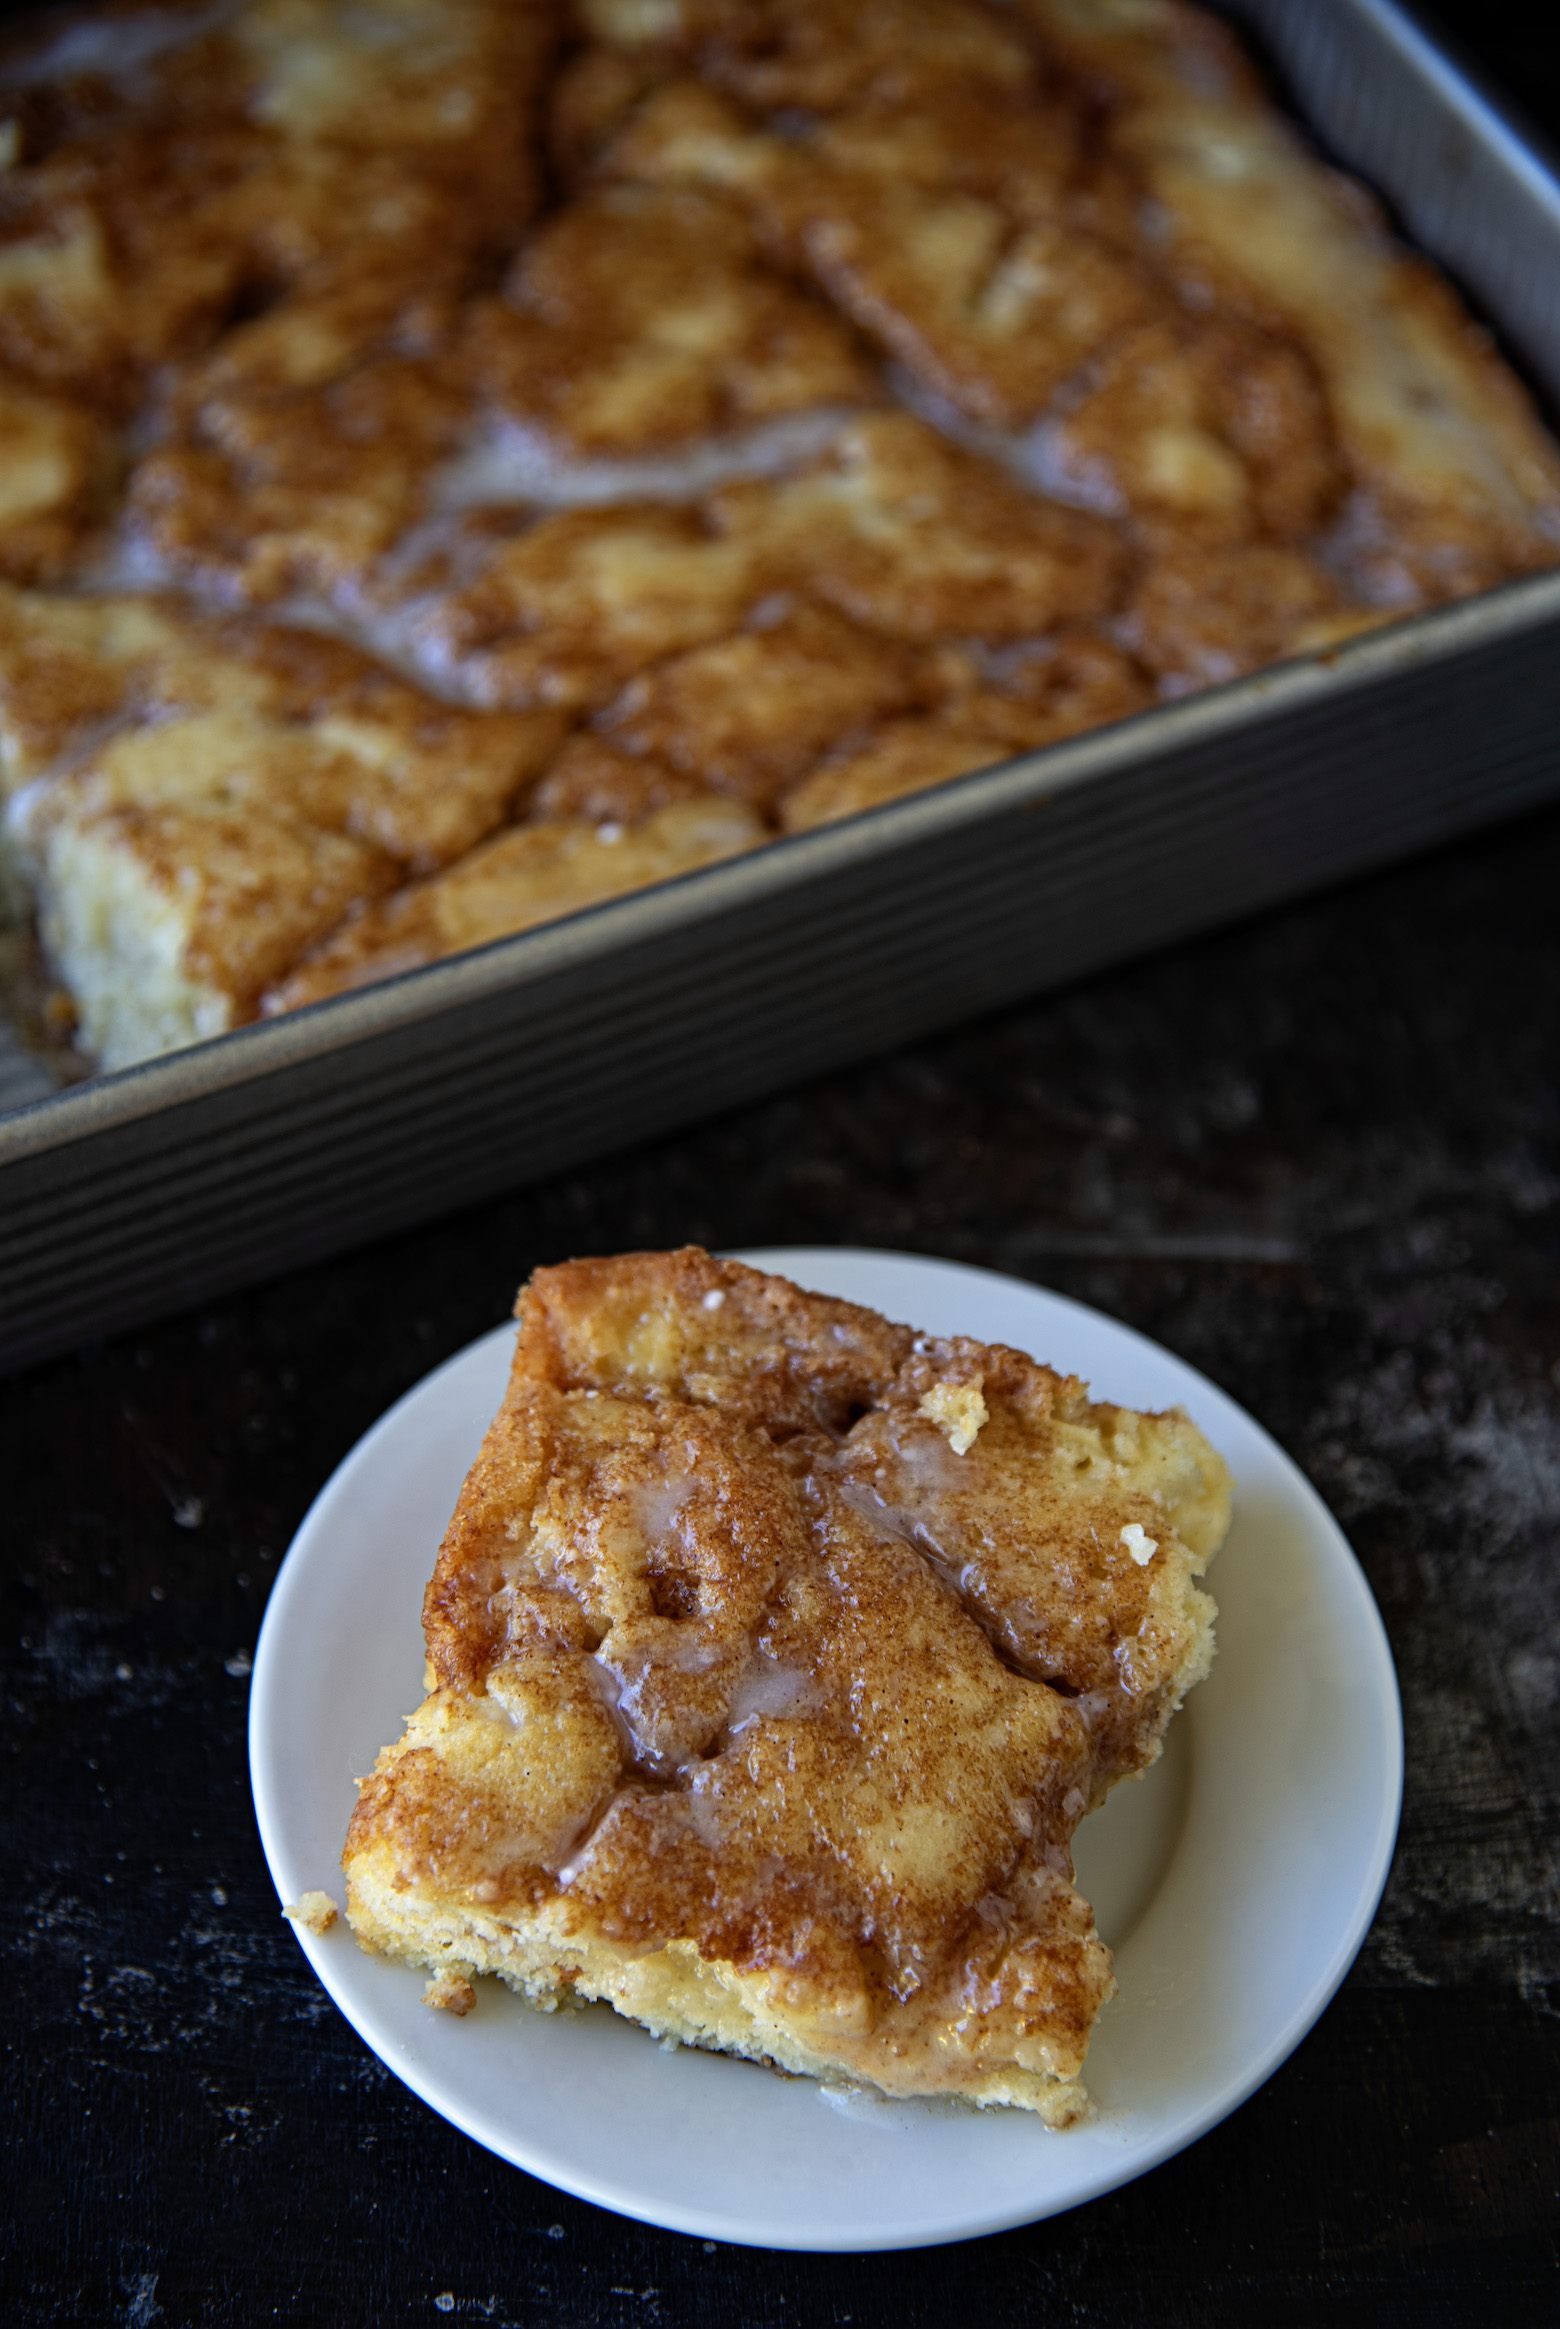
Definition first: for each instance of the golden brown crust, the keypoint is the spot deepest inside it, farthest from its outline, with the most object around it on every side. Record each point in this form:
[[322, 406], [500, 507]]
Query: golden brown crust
[[592, 780], [907, 534], [991, 298], [567, 610], [750, 713], [58, 466], [342, 174], [896, 529], [423, 798], [594, 93], [304, 489], [1081, 682], [789, 1361], [254, 786], [1202, 429], [68, 665], [641, 316], [532, 873], [246, 892], [1200, 615], [902, 757], [762, 1712], [454, 315], [819, 59], [237, 712], [292, 149], [1436, 433]]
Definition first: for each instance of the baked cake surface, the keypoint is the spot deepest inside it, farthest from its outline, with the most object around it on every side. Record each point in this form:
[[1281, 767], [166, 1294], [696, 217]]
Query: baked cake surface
[[775, 1653], [774, 402]]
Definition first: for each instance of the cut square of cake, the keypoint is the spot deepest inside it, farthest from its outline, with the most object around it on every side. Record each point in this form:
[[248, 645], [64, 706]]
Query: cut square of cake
[[248, 788], [643, 316], [775, 1653], [527, 875]]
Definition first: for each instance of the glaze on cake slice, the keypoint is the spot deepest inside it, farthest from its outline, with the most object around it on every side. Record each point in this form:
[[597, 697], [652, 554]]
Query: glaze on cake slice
[[775, 1653]]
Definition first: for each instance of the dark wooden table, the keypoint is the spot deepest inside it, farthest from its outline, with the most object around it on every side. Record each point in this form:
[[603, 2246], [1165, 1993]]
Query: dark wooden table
[[1320, 1157]]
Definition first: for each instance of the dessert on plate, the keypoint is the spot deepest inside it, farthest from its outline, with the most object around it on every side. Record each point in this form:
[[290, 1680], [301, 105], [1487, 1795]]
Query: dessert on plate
[[775, 1652]]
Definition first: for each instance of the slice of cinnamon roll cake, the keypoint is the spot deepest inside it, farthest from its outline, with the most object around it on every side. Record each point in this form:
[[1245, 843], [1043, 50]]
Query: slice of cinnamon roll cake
[[775, 1653]]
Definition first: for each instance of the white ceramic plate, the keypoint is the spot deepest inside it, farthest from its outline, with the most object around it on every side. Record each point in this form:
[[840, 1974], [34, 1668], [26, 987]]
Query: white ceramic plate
[[1235, 1883]]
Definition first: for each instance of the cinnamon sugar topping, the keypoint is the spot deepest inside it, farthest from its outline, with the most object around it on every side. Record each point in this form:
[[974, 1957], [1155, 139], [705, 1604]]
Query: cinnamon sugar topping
[[776, 1658]]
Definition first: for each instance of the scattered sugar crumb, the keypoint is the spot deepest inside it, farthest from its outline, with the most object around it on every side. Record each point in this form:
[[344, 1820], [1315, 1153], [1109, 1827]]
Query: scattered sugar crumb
[[315, 1911], [957, 1409], [714, 1299], [451, 1992], [1139, 1543]]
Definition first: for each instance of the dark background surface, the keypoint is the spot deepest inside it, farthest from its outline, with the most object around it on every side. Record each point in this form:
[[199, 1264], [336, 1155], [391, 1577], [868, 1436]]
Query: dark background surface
[[1320, 1157]]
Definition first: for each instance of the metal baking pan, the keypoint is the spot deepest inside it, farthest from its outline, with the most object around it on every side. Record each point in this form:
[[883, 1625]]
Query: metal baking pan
[[139, 1193]]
